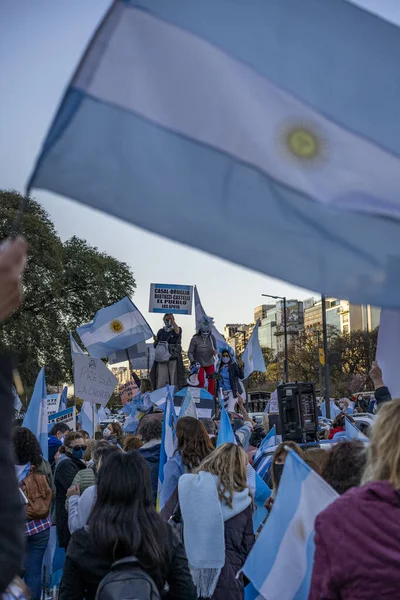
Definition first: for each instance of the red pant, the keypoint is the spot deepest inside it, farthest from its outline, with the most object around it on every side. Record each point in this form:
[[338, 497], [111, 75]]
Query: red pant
[[202, 376]]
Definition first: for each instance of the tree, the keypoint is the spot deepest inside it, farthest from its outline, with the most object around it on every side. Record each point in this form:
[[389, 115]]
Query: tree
[[64, 286]]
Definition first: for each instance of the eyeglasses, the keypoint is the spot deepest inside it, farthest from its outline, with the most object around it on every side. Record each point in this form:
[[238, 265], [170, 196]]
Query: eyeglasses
[[83, 447]]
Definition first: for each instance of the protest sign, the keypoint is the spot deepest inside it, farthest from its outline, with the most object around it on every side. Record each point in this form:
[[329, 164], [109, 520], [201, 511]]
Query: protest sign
[[67, 416], [273, 403], [53, 403], [127, 391], [94, 382], [176, 299]]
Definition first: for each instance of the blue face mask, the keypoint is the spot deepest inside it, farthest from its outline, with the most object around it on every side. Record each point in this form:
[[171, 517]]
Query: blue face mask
[[225, 359], [78, 454]]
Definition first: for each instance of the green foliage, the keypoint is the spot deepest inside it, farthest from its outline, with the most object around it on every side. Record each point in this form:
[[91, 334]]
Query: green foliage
[[64, 286]]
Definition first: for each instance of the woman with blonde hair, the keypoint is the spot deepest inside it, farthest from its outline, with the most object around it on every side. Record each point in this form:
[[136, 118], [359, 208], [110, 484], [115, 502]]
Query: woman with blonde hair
[[366, 517], [217, 514]]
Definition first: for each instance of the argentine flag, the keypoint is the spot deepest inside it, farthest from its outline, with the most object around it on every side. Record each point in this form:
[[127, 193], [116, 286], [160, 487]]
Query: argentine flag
[[188, 407], [36, 418], [252, 356], [268, 442], [200, 315], [284, 111], [353, 433], [167, 440], [280, 563], [115, 327], [335, 410]]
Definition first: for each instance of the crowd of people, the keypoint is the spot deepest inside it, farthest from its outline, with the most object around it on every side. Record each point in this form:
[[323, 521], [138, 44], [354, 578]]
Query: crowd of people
[[124, 537]]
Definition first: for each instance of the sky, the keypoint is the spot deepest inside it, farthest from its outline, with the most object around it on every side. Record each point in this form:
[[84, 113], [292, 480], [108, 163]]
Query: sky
[[41, 42]]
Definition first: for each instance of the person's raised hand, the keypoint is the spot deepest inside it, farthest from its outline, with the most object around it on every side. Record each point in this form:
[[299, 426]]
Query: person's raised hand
[[13, 255]]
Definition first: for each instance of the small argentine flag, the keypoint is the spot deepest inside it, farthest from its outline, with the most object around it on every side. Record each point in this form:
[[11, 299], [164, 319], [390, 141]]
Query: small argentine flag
[[116, 327], [36, 418], [268, 442], [253, 359], [279, 565], [281, 109]]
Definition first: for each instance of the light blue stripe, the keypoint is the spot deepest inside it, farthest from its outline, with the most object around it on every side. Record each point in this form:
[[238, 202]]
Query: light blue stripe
[[343, 254], [185, 288], [341, 60], [175, 312]]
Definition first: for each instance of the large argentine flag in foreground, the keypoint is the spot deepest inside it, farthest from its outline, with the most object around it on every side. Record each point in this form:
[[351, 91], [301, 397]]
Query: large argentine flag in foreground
[[116, 327], [279, 565], [225, 115]]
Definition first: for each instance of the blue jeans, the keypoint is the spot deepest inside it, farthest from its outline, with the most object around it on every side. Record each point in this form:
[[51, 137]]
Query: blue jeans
[[35, 548]]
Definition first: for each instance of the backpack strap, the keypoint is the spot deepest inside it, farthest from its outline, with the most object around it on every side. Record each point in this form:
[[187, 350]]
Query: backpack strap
[[129, 561]]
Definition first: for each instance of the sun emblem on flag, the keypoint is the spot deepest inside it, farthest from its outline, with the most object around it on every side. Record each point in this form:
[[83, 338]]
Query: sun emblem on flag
[[116, 326], [304, 142]]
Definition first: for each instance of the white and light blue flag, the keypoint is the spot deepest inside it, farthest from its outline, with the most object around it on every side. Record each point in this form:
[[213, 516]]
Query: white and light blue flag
[[116, 327], [280, 563], [85, 417], [188, 406], [353, 433], [167, 441], [200, 315], [225, 431], [36, 418], [388, 350], [64, 397], [252, 357], [75, 348], [241, 128], [268, 442]]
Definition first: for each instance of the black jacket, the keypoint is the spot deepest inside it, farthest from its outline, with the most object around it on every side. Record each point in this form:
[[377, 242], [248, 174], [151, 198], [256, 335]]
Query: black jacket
[[12, 515], [382, 395], [239, 539], [64, 475], [84, 569], [235, 373], [152, 456]]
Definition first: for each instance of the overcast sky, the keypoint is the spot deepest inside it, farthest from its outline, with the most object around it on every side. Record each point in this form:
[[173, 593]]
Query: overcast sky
[[41, 42]]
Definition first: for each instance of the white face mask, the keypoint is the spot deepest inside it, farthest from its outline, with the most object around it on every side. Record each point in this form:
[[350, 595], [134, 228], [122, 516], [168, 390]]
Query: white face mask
[[106, 433], [225, 359]]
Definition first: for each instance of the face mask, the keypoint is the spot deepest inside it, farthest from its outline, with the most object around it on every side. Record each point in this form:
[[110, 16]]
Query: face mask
[[62, 439], [78, 454], [225, 359], [167, 322], [106, 433], [278, 470]]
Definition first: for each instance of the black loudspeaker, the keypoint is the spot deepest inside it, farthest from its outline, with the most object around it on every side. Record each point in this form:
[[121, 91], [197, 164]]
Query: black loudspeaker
[[298, 412]]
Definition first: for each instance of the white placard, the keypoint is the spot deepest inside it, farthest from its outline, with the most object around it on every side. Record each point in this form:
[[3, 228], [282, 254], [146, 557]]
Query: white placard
[[67, 416], [170, 298], [94, 382], [53, 403]]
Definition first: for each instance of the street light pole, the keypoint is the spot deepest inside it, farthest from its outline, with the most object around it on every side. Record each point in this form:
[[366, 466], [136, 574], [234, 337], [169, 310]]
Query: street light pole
[[286, 362], [326, 366]]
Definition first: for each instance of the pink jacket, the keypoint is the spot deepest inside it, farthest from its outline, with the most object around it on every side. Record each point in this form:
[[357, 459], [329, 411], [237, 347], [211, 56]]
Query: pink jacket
[[357, 546]]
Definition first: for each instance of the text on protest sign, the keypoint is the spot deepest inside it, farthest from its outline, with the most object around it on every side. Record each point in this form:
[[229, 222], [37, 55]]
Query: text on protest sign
[[176, 299], [53, 403], [127, 391], [67, 416], [94, 382]]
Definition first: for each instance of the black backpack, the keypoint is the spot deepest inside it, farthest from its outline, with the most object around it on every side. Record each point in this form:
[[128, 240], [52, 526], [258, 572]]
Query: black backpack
[[127, 581]]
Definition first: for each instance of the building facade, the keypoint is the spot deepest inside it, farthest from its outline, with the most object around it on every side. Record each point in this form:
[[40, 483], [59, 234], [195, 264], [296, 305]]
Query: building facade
[[271, 333], [237, 335], [341, 314]]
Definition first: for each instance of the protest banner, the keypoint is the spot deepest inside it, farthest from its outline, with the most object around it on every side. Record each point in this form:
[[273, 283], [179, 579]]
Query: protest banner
[[53, 403], [94, 382], [127, 391], [67, 416], [176, 299]]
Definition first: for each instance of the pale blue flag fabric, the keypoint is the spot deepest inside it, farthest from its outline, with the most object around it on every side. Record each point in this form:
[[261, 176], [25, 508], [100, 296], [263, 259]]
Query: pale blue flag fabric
[[241, 128], [75, 348], [64, 397], [116, 327], [188, 406], [335, 410], [167, 447], [388, 350], [253, 359], [225, 431], [36, 418], [279, 565], [353, 433], [85, 417]]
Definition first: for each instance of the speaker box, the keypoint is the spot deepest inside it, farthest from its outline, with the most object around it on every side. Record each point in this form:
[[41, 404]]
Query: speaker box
[[298, 412]]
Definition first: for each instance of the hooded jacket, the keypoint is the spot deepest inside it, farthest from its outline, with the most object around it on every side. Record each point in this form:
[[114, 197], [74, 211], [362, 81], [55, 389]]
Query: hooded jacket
[[357, 546], [151, 453]]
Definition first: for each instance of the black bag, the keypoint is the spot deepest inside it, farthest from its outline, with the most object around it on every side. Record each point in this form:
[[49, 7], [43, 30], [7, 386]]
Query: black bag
[[127, 581]]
